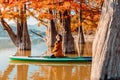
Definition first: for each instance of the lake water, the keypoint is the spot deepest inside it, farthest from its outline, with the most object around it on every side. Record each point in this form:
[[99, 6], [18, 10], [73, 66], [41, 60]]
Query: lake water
[[11, 70]]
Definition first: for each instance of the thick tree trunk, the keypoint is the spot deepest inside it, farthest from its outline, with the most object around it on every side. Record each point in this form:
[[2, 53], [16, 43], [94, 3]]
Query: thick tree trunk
[[21, 39], [26, 43], [52, 33], [106, 46], [68, 40]]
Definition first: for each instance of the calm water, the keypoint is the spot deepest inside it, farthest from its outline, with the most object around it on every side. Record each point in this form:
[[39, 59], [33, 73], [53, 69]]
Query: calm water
[[11, 70]]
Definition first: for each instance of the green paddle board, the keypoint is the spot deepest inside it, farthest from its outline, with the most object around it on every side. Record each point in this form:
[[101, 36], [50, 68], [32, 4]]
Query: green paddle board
[[48, 59]]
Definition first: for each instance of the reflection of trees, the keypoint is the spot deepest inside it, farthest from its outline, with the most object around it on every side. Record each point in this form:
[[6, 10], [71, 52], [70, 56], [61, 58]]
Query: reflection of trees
[[73, 72], [7, 72], [22, 70], [82, 73], [63, 73]]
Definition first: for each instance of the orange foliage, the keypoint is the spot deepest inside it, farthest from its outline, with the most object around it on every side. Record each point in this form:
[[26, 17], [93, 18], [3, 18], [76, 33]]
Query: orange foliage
[[90, 21], [40, 9], [90, 17], [45, 15], [96, 3]]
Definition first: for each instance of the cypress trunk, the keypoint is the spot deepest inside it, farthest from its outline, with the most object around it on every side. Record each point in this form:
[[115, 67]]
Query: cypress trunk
[[52, 32], [106, 46], [25, 35], [81, 39], [68, 40]]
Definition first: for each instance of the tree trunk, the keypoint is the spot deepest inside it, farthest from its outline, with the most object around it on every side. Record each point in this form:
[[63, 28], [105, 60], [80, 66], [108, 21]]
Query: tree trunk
[[80, 49], [21, 39], [81, 39], [25, 35], [106, 46], [68, 40], [52, 32]]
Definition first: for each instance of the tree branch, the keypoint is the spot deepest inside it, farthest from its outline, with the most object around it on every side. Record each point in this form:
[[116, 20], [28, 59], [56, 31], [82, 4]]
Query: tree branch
[[9, 30], [37, 18], [38, 35]]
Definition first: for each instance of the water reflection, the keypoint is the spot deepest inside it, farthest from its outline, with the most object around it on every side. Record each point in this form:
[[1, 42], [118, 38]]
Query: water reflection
[[62, 73], [6, 73], [38, 71], [22, 70]]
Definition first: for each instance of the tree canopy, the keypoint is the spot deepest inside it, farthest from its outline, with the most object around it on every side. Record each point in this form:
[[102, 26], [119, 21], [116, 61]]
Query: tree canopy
[[39, 9]]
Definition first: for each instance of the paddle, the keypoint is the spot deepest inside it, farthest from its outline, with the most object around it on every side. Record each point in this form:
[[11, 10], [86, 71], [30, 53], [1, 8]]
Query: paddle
[[42, 55], [60, 57]]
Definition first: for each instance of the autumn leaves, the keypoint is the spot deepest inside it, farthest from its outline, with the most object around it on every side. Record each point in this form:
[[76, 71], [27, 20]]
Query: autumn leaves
[[39, 9]]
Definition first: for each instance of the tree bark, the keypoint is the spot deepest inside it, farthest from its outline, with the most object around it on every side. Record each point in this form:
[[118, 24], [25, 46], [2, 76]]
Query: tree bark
[[25, 35], [68, 40], [106, 46], [81, 39], [52, 32]]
